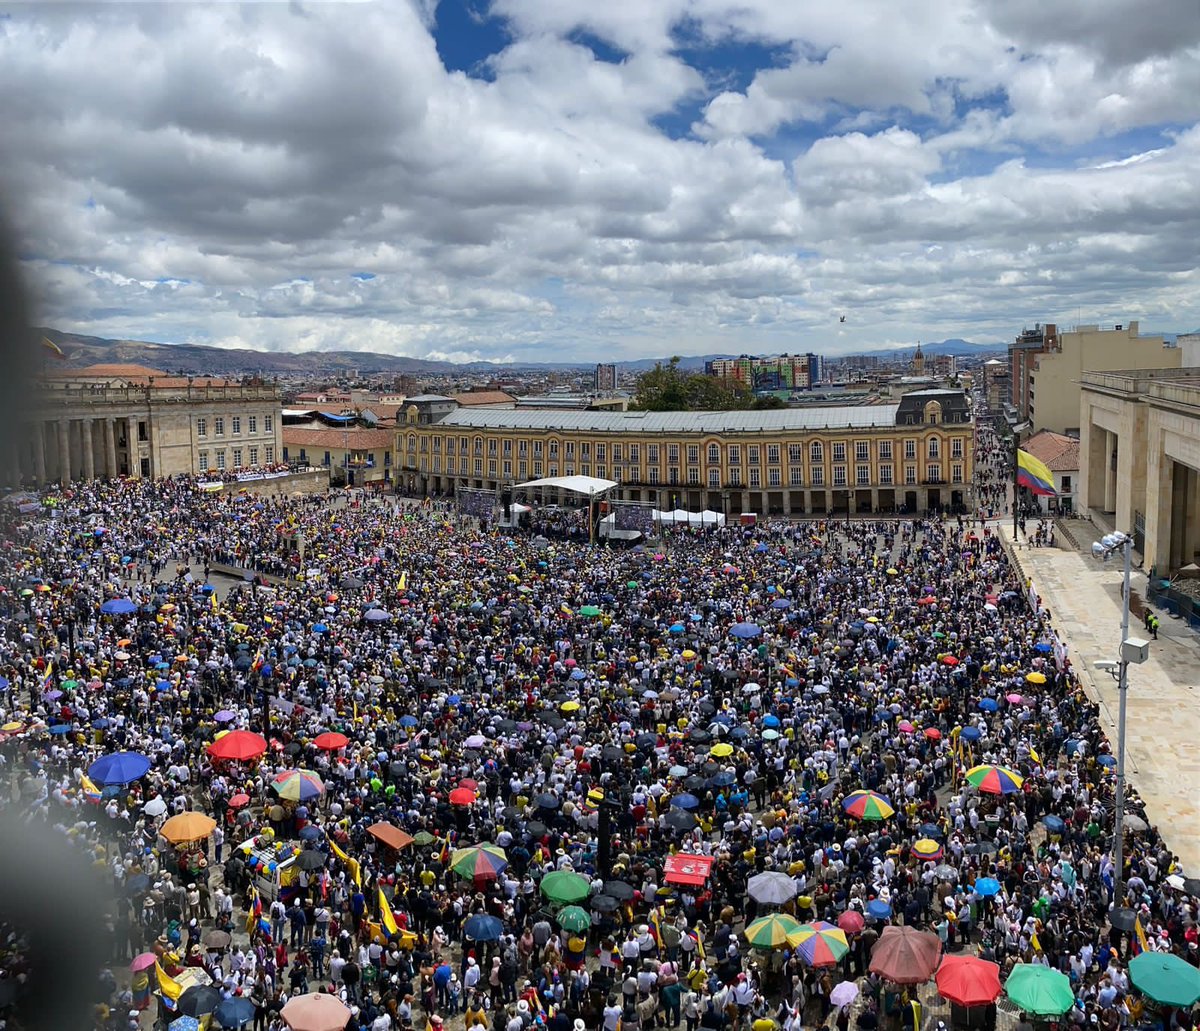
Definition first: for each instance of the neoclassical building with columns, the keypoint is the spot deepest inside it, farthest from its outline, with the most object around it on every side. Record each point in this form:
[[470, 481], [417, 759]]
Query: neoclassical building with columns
[[128, 420]]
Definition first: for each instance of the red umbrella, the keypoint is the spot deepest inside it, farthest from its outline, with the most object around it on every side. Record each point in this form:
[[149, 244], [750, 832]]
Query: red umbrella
[[331, 741], [462, 796], [469, 784], [851, 921], [240, 745], [905, 956], [239, 800], [950, 660], [968, 980], [933, 733]]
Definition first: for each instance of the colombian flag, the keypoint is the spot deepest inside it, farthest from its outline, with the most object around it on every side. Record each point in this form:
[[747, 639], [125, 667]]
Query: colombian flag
[[1034, 475], [168, 987], [350, 864], [51, 348], [1138, 944], [385, 915], [90, 791]]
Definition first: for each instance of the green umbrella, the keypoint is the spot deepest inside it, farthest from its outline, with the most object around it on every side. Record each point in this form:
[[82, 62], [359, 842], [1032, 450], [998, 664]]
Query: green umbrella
[[573, 918], [590, 610], [1165, 978], [423, 838], [1039, 990], [773, 931], [70, 685], [563, 886], [632, 585]]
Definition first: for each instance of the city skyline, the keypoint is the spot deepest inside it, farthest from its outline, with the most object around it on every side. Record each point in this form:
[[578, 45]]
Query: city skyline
[[529, 181]]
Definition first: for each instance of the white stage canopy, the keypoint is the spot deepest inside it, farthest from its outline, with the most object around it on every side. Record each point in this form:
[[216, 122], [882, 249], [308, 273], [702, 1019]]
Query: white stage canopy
[[586, 485]]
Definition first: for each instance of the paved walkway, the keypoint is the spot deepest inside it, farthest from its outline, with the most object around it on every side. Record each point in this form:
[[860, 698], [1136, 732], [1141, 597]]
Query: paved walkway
[[1163, 708]]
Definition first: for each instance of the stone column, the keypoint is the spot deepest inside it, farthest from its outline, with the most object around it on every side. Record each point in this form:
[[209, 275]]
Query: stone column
[[89, 450], [110, 448], [131, 435], [64, 451], [874, 500], [1110, 471], [39, 453]]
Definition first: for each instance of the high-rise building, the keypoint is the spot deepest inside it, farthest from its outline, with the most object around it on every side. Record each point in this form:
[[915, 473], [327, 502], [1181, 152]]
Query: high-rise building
[[606, 377]]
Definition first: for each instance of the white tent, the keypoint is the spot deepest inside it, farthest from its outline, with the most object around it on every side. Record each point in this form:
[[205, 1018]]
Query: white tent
[[681, 518], [589, 486]]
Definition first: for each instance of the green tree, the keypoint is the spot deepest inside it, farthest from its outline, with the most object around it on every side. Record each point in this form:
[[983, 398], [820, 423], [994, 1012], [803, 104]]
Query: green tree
[[668, 388]]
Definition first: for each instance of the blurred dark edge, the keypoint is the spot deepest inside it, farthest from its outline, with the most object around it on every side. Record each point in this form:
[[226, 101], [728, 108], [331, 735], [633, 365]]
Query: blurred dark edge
[[47, 888]]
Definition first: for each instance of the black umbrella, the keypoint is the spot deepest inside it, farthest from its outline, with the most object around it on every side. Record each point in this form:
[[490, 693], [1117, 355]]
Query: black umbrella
[[619, 890], [1192, 885], [199, 1000], [679, 820], [612, 754], [604, 904], [506, 726], [646, 740], [293, 748], [217, 939], [552, 719], [396, 769], [350, 583], [695, 783], [536, 829], [547, 801], [1122, 918], [699, 735], [311, 859]]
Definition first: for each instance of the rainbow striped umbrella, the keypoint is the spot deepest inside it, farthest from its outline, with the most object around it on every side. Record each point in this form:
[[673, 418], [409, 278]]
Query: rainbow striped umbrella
[[479, 862], [927, 849], [995, 780], [773, 931], [821, 944], [868, 805], [298, 786]]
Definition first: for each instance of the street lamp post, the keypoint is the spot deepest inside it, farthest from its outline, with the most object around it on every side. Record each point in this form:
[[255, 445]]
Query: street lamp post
[[1132, 650]]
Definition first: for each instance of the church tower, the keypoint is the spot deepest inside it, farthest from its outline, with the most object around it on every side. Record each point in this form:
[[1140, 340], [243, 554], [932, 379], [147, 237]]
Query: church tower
[[918, 362]]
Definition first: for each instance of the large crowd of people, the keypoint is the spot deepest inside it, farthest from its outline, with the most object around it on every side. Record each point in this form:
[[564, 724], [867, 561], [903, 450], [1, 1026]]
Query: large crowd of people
[[494, 749]]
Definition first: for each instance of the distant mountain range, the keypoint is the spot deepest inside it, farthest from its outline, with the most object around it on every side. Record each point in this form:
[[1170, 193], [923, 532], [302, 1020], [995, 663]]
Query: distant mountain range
[[201, 359]]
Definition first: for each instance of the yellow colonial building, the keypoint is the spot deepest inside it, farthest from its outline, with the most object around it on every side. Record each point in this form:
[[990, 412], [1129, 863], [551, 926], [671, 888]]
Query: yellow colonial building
[[912, 456]]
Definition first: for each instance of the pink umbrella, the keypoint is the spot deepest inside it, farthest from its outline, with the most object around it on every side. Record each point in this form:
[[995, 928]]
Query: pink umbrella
[[315, 1012], [851, 921], [905, 727], [1013, 699], [143, 962]]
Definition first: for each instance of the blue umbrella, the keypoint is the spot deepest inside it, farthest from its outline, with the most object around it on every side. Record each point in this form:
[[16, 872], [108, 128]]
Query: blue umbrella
[[685, 802], [745, 630], [184, 1023], [770, 720], [988, 704], [119, 768], [482, 927], [377, 616], [879, 909], [930, 830], [320, 628], [986, 887], [578, 674], [1106, 760], [1054, 824], [234, 1012], [454, 699], [723, 779], [61, 728], [970, 733], [311, 832], [1043, 647], [781, 603], [408, 721], [100, 724], [677, 628], [118, 607]]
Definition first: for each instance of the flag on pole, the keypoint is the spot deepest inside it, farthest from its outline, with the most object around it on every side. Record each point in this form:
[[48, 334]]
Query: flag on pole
[[350, 864], [385, 915], [1139, 944], [403, 584], [90, 791], [1034, 475]]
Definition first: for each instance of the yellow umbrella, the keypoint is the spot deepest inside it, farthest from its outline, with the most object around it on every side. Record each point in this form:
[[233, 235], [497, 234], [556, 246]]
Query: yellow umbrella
[[571, 706], [688, 654], [893, 572], [721, 750], [10, 727], [1035, 678], [188, 827]]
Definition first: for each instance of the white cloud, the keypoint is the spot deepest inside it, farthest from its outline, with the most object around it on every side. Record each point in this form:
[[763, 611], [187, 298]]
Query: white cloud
[[220, 172]]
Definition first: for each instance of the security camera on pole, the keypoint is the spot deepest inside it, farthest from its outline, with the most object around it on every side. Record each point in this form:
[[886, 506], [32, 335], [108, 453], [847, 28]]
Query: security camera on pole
[[1133, 649]]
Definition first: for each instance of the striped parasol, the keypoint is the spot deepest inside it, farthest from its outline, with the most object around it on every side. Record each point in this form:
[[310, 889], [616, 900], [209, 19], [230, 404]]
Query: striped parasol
[[480, 862], [773, 931], [927, 849], [995, 780], [821, 944], [298, 786], [868, 805]]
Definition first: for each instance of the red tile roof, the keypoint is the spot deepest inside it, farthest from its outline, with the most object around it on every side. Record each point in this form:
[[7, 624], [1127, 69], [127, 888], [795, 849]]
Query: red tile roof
[[1058, 451], [484, 397], [355, 439]]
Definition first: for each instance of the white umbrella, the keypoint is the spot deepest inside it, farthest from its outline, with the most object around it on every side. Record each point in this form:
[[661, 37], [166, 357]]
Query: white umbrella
[[155, 807], [771, 888]]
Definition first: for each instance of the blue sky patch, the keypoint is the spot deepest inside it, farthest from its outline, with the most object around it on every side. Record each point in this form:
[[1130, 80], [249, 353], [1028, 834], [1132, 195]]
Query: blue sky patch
[[467, 35], [362, 277]]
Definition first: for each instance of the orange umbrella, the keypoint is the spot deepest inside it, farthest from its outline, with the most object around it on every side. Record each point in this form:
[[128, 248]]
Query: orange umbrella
[[391, 836], [188, 827]]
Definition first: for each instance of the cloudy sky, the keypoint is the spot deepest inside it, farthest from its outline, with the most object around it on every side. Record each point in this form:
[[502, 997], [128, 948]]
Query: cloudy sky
[[616, 179]]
